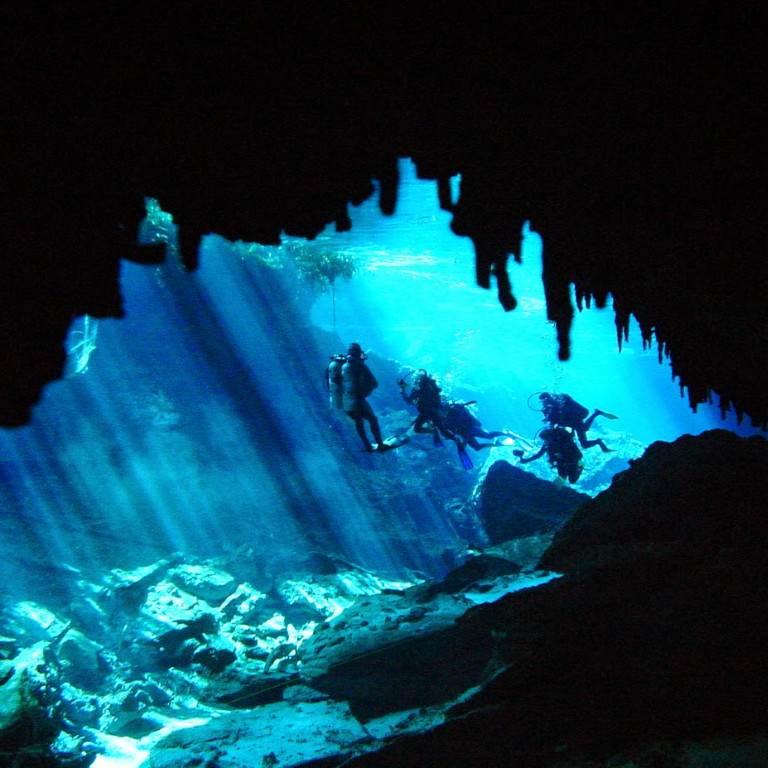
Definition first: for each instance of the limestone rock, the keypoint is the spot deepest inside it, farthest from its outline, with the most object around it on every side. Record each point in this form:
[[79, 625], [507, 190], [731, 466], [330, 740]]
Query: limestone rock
[[655, 633], [216, 654], [512, 503], [283, 734], [27, 720], [698, 496], [81, 661], [204, 581]]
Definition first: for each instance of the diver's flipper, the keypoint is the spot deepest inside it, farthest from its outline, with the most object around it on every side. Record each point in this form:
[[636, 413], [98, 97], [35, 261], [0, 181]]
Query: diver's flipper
[[392, 442], [436, 438], [608, 415], [466, 462], [518, 438]]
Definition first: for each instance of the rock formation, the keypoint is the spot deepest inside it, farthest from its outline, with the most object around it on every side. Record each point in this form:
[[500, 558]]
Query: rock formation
[[631, 141], [635, 633]]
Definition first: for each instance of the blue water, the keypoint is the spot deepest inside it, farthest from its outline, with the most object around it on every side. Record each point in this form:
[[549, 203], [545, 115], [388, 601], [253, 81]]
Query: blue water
[[414, 299], [197, 423]]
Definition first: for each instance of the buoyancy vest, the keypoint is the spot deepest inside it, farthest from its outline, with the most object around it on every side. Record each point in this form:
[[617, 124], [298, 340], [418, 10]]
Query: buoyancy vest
[[357, 382], [563, 410], [459, 419], [426, 394]]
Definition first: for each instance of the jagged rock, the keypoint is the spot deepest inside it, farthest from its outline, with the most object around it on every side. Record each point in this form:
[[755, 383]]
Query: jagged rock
[[81, 661], [169, 627], [30, 622], [245, 605], [512, 503], [655, 633], [217, 654], [296, 693], [78, 708], [248, 691], [204, 581], [402, 649], [70, 751], [699, 496], [303, 602], [130, 710], [91, 618], [525, 551], [129, 588], [477, 569], [283, 734], [27, 717]]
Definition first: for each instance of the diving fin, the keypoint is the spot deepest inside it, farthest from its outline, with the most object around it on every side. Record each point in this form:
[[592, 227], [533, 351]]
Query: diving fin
[[519, 438], [466, 462], [436, 438], [395, 441], [608, 415]]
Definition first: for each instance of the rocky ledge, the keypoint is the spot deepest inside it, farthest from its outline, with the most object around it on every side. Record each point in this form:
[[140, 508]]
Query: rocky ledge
[[634, 634]]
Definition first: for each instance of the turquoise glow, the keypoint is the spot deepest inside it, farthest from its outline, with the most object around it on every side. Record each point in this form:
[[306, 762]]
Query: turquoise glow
[[192, 426], [414, 299]]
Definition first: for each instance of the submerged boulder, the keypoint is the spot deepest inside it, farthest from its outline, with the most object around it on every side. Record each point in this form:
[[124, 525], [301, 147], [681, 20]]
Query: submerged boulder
[[204, 581], [283, 734], [655, 634], [81, 660], [402, 649], [699, 497], [28, 718], [512, 503]]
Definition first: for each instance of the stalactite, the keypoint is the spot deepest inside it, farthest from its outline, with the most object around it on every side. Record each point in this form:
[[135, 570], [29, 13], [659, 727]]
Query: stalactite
[[490, 262], [621, 319], [583, 297], [389, 180], [558, 298], [444, 195]]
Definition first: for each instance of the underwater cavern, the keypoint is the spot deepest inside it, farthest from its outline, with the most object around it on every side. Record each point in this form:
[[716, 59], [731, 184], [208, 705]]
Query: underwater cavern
[[200, 564]]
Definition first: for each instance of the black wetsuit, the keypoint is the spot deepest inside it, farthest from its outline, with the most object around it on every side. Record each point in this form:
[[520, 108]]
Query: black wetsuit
[[425, 395], [564, 411], [357, 383], [460, 420], [562, 453]]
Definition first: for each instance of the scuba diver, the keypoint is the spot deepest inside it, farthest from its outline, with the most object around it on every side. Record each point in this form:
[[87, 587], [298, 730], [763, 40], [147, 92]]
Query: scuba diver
[[564, 411], [351, 382], [462, 422], [425, 395], [452, 420], [562, 453]]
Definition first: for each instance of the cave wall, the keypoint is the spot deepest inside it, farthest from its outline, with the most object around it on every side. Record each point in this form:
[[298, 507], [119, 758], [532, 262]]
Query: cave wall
[[631, 141]]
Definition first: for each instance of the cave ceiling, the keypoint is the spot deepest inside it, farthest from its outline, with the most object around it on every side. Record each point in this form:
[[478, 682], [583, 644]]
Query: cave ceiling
[[634, 143]]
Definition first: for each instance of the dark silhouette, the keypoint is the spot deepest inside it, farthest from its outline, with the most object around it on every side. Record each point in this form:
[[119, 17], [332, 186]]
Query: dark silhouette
[[426, 395], [357, 383], [461, 421], [564, 411], [562, 453]]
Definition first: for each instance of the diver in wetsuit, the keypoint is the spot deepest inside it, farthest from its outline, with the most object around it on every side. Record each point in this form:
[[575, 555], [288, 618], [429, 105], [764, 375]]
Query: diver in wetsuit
[[425, 395], [562, 453], [357, 383], [462, 422], [564, 411]]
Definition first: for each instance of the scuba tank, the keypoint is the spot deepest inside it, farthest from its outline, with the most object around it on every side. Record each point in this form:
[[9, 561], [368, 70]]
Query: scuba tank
[[333, 374]]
